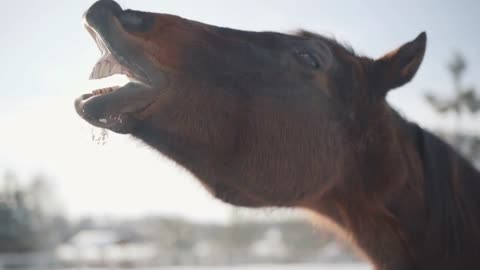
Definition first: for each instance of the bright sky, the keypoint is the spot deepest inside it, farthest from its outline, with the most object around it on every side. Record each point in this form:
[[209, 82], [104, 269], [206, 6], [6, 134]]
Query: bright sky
[[47, 57]]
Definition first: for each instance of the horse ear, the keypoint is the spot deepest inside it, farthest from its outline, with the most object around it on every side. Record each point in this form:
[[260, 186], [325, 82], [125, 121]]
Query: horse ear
[[398, 67]]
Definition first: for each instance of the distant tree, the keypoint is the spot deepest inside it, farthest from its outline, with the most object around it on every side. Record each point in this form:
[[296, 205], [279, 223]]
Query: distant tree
[[465, 98], [464, 101], [16, 233], [27, 223]]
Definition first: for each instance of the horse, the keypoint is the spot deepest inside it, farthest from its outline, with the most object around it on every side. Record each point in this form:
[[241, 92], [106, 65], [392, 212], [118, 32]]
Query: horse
[[266, 119]]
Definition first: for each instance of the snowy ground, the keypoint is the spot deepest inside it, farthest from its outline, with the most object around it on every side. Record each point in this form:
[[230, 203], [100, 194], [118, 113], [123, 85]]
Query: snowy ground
[[285, 267], [272, 267]]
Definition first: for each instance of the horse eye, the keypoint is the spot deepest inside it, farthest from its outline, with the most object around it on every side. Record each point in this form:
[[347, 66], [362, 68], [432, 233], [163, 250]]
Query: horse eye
[[308, 59]]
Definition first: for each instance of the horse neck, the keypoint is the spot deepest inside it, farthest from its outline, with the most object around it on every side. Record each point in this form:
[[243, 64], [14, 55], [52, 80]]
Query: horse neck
[[451, 189], [410, 196]]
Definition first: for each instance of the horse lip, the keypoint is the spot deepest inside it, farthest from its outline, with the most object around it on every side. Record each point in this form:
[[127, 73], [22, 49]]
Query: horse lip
[[101, 10], [79, 107], [101, 22], [137, 74], [115, 111]]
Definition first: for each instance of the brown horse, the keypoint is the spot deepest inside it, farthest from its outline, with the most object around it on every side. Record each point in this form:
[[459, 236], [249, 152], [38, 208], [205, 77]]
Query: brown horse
[[270, 119]]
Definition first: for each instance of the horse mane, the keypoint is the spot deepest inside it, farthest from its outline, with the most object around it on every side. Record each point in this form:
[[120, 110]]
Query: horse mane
[[450, 183]]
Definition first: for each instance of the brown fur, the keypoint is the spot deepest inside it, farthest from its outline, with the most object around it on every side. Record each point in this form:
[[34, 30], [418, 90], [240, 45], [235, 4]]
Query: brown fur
[[267, 119]]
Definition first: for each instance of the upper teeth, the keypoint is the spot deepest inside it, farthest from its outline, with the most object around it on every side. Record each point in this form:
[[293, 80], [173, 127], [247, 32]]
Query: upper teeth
[[110, 75], [107, 66]]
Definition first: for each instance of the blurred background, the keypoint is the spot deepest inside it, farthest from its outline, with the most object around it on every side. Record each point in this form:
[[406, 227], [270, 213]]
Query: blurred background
[[76, 197]]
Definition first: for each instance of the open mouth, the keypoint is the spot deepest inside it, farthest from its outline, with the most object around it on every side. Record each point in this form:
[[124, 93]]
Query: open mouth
[[120, 87], [108, 74]]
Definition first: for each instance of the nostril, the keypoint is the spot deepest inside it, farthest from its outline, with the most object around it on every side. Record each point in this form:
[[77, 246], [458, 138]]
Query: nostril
[[135, 20], [131, 18]]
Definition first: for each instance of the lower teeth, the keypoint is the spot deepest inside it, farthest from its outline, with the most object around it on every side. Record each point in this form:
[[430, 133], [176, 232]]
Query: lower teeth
[[108, 84], [103, 91]]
